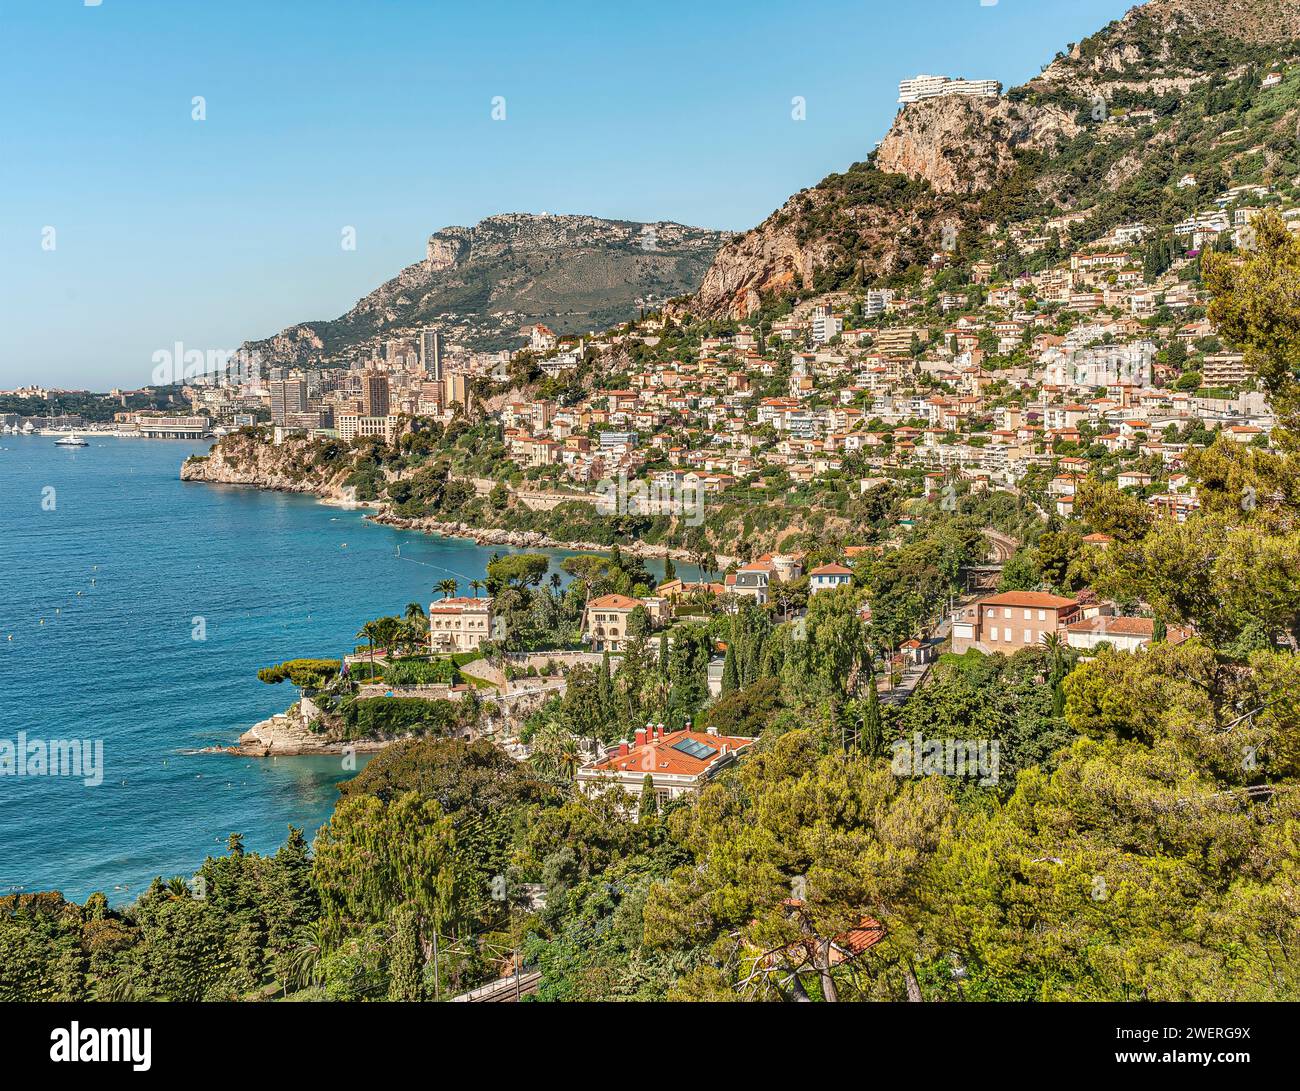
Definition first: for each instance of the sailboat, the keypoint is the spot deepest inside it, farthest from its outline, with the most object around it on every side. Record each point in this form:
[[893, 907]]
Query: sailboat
[[71, 440]]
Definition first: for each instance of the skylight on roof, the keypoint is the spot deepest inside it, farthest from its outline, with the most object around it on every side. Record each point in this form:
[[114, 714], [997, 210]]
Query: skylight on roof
[[695, 749]]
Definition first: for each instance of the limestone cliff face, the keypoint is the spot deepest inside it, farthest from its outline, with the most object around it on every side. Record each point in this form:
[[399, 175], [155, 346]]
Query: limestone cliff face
[[963, 145], [766, 260], [882, 215], [243, 459]]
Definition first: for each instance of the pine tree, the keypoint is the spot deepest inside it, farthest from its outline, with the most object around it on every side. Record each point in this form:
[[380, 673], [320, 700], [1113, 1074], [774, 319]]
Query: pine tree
[[670, 570]]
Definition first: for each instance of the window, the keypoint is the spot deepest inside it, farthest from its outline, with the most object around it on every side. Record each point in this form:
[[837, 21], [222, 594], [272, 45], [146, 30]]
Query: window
[[993, 633], [1042, 615], [1006, 613], [1028, 615], [1028, 636]]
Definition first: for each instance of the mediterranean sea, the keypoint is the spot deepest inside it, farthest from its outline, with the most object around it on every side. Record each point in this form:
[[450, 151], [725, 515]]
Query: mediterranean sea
[[110, 567]]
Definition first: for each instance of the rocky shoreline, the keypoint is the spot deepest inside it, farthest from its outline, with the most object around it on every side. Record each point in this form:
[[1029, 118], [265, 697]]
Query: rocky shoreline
[[217, 469], [528, 539], [284, 735]]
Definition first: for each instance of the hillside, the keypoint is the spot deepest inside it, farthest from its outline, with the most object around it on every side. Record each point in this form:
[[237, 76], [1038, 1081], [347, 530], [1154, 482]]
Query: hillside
[[482, 283], [1101, 137]]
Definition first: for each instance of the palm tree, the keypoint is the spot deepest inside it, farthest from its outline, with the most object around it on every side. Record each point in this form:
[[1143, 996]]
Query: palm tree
[[556, 582], [303, 966], [476, 586], [118, 989], [447, 588], [414, 610], [367, 633], [570, 758]]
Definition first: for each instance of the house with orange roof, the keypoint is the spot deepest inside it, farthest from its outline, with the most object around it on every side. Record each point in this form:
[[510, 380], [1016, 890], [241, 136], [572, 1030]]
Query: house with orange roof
[[604, 621], [678, 763], [460, 624], [1125, 634], [829, 576]]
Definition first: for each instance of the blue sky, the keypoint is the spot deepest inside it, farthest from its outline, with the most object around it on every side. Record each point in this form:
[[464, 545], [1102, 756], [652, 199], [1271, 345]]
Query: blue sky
[[323, 114]]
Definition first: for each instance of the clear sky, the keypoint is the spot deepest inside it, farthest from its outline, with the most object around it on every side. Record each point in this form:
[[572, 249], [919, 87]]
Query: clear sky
[[325, 114]]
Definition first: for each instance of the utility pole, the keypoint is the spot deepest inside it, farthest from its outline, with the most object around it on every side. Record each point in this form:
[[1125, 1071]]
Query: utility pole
[[437, 976]]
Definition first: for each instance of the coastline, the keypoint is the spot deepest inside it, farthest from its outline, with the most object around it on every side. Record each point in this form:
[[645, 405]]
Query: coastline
[[284, 735], [220, 472], [534, 539]]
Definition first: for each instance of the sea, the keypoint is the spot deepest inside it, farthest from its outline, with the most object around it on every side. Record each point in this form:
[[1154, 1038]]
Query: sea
[[135, 611]]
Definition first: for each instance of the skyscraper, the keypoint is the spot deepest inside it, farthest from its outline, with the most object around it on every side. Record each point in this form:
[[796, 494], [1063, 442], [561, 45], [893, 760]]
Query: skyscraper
[[287, 396], [374, 394], [431, 353]]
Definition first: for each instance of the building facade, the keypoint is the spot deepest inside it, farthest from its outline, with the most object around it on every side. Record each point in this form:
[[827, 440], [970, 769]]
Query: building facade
[[459, 625], [1011, 621]]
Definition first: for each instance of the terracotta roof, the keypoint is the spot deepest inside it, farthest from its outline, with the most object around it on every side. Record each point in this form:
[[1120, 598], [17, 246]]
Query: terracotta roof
[[613, 602], [661, 757], [831, 570], [1126, 626], [1028, 599]]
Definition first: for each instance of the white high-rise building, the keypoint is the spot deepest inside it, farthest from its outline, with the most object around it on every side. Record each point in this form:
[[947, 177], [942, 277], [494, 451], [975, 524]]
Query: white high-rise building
[[923, 86]]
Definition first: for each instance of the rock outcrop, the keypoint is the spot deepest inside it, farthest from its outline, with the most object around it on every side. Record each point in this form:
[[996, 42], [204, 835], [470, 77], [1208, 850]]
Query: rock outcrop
[[247, 459], [963, 145]]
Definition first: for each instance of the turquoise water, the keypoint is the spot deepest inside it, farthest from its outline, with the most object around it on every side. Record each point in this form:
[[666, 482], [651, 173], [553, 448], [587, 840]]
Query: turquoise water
[[119, 569]]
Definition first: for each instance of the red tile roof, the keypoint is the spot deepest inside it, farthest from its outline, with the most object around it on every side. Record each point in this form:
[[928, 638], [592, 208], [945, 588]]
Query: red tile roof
[[613, 602], [1029, 600], [660, 757]]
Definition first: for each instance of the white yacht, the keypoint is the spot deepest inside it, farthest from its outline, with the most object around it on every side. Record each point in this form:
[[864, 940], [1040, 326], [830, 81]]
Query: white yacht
[[71, 440]]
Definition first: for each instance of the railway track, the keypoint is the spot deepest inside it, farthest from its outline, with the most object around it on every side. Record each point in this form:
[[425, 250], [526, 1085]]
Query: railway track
[[506, 990]]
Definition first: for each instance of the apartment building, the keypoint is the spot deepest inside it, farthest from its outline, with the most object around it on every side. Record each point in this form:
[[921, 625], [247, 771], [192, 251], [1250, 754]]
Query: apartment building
[[924, 86], [1011, 621]]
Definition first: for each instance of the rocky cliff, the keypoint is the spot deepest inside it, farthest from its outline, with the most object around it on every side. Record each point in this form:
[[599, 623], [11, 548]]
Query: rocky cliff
[[481, 284], [964, 145], [1106, 130], [245, 459]]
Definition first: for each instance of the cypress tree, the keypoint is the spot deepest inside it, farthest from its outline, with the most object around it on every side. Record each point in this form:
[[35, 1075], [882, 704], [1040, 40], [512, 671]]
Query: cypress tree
[[605, 690], [730, 676], [871, 734], [406, 965], [649, 802]]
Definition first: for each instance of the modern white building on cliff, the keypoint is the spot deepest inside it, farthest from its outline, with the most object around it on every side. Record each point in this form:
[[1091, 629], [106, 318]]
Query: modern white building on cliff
[[920, 87]]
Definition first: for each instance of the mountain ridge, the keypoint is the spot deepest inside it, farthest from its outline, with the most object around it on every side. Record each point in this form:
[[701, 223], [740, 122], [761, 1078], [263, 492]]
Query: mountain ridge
[[480, 284]]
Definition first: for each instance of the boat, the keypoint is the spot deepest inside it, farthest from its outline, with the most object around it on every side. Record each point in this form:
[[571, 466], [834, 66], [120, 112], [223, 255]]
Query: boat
[[72, 440]]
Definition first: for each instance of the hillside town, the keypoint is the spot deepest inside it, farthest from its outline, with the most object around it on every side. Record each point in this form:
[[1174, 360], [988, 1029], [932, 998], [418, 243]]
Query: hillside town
[[909, 612]]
